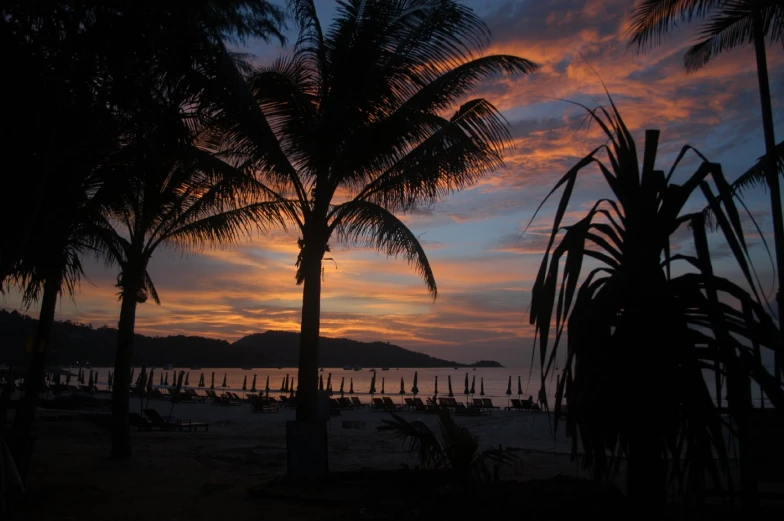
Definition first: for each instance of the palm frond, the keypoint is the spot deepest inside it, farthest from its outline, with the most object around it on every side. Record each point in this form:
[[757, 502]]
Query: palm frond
[[368, 224], [725, 30], [654, 19]]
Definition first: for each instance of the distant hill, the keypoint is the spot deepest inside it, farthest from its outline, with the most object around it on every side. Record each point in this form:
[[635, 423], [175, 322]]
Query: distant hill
[[74, 342]]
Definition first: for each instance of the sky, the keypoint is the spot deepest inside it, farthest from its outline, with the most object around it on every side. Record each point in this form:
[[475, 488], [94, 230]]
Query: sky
[[483, 262]]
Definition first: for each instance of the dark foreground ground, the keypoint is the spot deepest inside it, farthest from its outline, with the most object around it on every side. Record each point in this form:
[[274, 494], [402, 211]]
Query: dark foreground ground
[[184, 476]]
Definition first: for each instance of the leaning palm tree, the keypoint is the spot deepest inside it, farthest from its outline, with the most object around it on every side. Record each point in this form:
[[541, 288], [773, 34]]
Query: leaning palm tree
[[729, 24], [169, 185], [643, 322], [353, 128]]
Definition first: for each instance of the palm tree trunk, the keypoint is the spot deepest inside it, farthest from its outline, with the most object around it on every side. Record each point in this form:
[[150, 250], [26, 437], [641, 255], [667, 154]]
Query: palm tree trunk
[[307, 376], [771, 175], [121, 435], [25, 414]]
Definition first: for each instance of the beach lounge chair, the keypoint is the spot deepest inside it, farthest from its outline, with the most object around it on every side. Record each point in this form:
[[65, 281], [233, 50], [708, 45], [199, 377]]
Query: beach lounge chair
[[378, 405], [265, 406], [487, 403], [421, 406], [410, 403], [390, 405], [345, 403], [156, 421], [478, 403], [464, 410], [516, 405], [139, 422], [357, 403]]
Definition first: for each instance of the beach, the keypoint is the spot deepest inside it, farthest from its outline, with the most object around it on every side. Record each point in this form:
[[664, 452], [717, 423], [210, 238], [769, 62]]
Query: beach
[[179, 475]]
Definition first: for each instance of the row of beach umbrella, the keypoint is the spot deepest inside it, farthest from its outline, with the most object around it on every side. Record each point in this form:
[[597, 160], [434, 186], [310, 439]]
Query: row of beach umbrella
[[288, 383]]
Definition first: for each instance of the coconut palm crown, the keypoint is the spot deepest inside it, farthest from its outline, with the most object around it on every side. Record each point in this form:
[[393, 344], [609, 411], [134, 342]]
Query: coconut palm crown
[[364, 121]]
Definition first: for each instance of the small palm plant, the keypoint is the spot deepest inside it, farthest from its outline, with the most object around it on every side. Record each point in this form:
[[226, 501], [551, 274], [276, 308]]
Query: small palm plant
[[455, 448], [644, 322]]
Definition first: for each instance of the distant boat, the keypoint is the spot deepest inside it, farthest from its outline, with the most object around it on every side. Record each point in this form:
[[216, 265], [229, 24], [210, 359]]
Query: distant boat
[[322, 369], [385, 368], [168, 367], [348, 367], [244, 368], [357, 368], [372, 370]]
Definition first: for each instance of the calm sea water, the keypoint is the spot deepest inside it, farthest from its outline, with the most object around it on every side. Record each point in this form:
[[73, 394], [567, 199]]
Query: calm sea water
[[494, 380]]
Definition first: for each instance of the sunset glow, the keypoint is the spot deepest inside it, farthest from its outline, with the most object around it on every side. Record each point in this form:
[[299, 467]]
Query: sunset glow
[[483, 263]]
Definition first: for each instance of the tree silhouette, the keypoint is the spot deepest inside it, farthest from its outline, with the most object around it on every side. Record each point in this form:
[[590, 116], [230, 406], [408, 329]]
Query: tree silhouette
[[729, 24], [65, 143], [351, 129], [644, 322]]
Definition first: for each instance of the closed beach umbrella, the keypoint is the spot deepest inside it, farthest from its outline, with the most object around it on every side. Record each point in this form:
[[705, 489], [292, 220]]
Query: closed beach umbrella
[[286, 384], [414, 388], [342, 380], [224, 381], [283, 385], [212, 383], [81, 378], [382, 385], [253, 385], [266, 387], [351, 386], [166, 380], [449, 384], [149, 381], [201, 380], [473, 384], [435, 393], [519, 387], [402, 389], [187, 378], [509, 390], [161, 382], [373, 384], [482, 386], [244, 383], [467, 391], [329, 383], [90, 383], [291, 387], [321, 382]]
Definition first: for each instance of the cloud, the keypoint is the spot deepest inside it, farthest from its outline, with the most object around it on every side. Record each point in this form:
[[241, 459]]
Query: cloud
[[483, 263]]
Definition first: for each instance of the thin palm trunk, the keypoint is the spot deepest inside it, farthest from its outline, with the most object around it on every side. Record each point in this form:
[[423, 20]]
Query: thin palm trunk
[[25, 414], [121, 436], [771, 173], [307, 397]]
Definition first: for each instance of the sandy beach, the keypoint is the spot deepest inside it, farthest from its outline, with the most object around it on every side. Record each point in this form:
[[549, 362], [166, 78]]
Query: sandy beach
[[179, 475]]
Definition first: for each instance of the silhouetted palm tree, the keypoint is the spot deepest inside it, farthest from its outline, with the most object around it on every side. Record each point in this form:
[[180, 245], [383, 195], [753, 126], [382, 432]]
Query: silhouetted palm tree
[[171, 186], [127, 37], [64, 141], [645, 322], [729, 24], [352, 128]]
